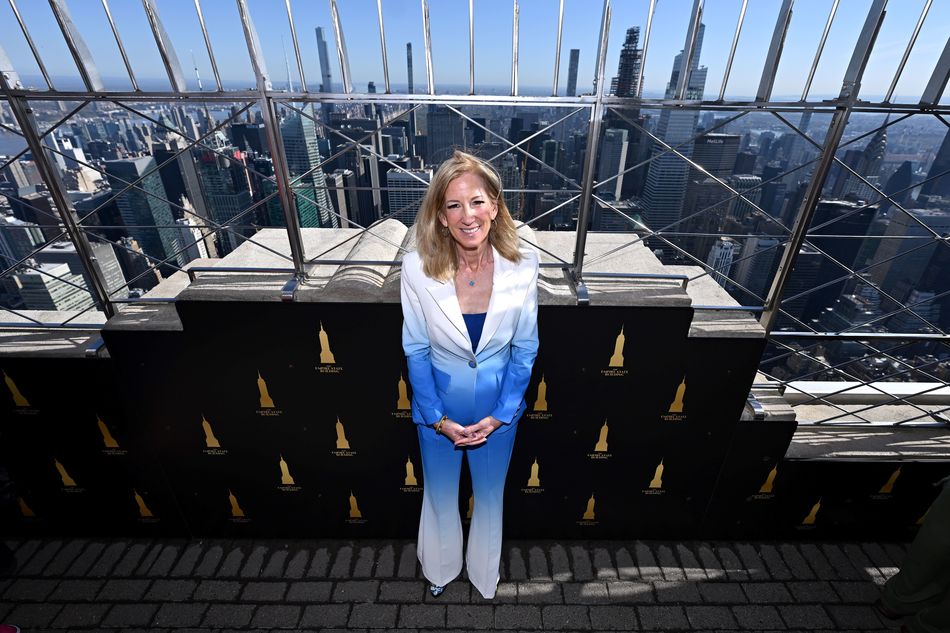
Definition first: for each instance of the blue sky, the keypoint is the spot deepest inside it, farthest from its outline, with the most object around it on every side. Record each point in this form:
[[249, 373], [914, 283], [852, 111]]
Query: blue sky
[[493, 26]]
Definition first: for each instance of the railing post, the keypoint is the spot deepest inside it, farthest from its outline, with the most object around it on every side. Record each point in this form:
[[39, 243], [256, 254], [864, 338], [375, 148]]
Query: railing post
[[57, 190], [276, 147], [590, 159], [850, 88]]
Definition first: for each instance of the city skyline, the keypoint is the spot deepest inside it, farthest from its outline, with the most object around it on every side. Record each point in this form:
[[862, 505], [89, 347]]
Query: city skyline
[[449, 23]]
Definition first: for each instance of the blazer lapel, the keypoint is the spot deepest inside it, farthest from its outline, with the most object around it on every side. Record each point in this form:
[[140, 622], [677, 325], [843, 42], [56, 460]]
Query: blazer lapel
[[445, 297], [502, 296]]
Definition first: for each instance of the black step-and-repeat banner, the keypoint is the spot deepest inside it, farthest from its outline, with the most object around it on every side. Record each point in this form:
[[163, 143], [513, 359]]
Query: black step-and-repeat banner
[[272, 419]]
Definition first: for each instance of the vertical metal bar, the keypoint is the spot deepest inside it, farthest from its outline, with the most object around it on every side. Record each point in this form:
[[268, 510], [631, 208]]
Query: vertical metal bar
[[851, 86], [275, 143], [732, 51], [8, 74], [938, 80], [516, 12], [204, 32], [849, 91], [57, 191], [382, 44], [774, 55], [258, 64], [590, 157], [821, 48], [689, 49], [118, 41], [471, 47], [910, 46], [33, 49], [427, 43], [165, 48], [646, 47], [293, 37], [341, 48], [557, 47], [77, 47]]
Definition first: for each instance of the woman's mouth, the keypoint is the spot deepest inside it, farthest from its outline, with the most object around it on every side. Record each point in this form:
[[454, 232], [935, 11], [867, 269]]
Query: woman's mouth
[[470, 231]]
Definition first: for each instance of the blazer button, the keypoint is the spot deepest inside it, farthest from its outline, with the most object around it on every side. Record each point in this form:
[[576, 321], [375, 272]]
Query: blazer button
[[471, 364]]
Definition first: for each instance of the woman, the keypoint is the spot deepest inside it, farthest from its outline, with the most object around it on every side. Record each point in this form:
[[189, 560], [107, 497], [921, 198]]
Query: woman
[[470, 333]]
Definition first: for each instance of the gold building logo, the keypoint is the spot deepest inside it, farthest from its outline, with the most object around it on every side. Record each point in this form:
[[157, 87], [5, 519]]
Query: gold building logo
[[676, 411], [107, 438], [19, 399], [471, 507], [765, 490], [21, 404], [540, 409], [616, 360], [144, 511], [600, 447], [354, 515], [888, 487], [656, 484], [813, 515], [410, 473], [589, 517], [402, 403], [237, 512], [327, 359], [268, 408], [534, 479], [410, 483], [541, 402], [68, 482], [25, 510], [111, 446], [212, 445], [287, 483], [342, 444], [616, 363]]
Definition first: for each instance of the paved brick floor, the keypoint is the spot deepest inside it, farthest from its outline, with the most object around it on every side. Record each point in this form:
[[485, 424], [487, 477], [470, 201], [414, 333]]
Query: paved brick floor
[[129, 585]]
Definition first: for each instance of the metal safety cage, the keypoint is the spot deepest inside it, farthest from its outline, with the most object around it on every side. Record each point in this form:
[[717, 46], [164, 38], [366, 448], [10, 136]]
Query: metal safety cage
[[820, 159]]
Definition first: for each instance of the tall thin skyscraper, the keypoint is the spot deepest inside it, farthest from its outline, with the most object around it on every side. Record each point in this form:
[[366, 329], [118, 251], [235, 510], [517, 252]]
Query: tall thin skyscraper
[[572, 72], [629, 67], [325, 86], [666, 181], [412, 115], [409, 66]]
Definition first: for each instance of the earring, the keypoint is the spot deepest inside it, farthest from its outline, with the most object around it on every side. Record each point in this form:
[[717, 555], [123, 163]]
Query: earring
[[445, 231]]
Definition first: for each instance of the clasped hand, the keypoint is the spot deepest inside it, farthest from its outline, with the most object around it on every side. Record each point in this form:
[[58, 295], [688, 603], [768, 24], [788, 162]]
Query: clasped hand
[[471, 435]]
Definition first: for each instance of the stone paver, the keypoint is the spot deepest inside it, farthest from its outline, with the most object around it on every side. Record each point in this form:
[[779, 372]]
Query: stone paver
[[366, 585]]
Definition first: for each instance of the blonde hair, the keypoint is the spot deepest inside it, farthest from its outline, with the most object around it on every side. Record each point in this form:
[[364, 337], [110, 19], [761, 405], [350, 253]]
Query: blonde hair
[[435, 246]]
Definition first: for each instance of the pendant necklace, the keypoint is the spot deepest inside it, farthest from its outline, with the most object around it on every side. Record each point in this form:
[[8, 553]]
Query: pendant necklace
[[471, 282]]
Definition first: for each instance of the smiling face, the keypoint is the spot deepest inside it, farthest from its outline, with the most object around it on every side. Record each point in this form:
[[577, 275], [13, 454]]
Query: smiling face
[[467, 211]]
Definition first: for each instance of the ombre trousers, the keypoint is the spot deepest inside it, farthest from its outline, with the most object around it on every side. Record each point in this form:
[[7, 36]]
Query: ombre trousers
[[440, 526]]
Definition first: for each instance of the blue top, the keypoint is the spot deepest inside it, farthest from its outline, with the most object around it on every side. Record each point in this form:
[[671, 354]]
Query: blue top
[[475, 323]]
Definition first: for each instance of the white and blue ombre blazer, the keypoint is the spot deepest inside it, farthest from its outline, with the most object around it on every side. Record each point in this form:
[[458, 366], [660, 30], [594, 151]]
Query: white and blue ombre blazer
[[447, 378]]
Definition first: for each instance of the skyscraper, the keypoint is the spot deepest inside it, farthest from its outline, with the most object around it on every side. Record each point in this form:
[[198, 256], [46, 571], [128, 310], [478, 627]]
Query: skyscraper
[[325, 85], [406, 192], [444, 133], [303, 156], [666, 181], [720, 259], [629, 67], [613, 157], [413, 129], [939, 186], [572, 72], [226, 189], [144, 208]]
